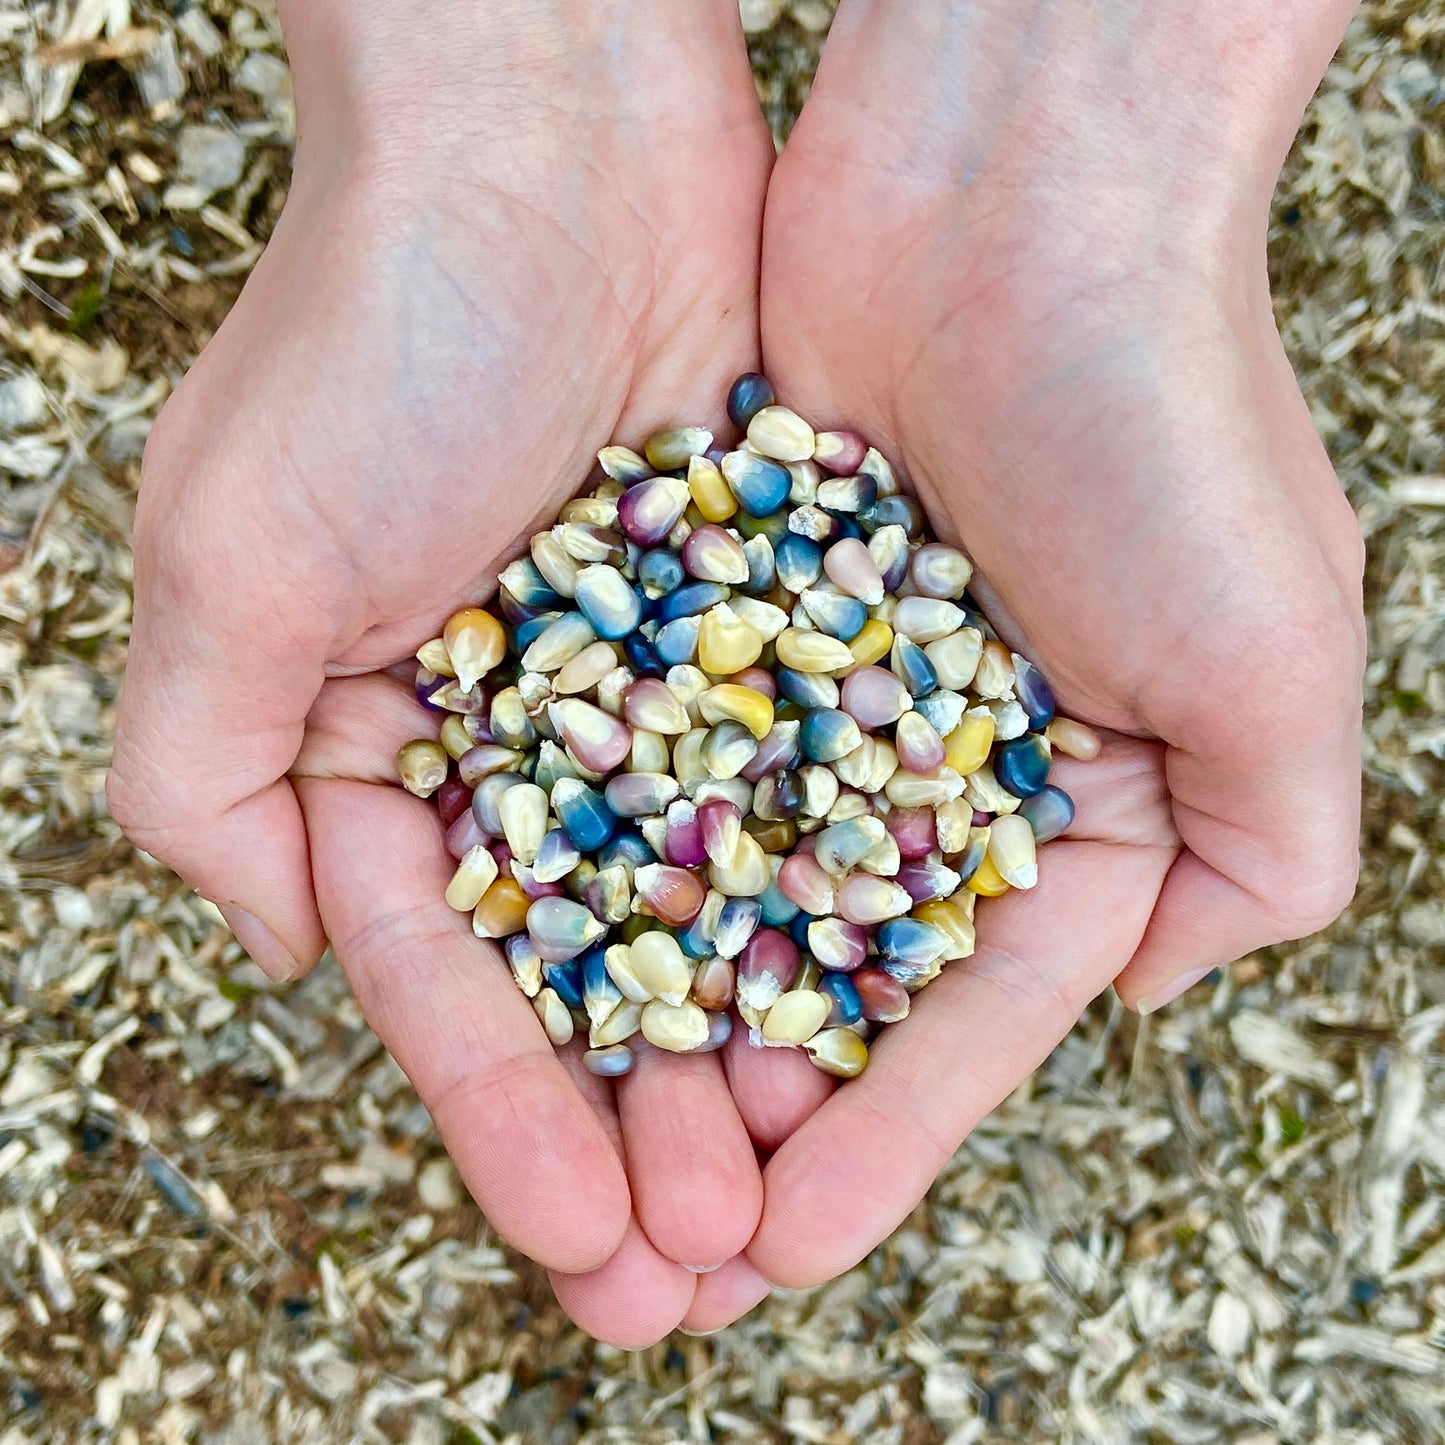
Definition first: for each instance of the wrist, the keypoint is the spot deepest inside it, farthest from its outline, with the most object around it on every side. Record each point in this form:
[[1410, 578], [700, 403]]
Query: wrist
[[422, 88]]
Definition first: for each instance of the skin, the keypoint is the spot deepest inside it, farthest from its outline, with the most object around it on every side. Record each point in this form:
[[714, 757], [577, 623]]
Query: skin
[[1018, 246]]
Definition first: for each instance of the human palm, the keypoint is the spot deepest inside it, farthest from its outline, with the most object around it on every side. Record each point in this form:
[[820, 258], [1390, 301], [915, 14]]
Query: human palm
[[419, 372], [987, 262]]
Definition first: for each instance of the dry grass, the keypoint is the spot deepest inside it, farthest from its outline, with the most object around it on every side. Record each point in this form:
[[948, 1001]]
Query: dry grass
[[223, 1215]]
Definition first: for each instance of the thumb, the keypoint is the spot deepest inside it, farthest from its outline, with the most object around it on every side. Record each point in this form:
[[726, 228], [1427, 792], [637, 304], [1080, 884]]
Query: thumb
[[227, 655]]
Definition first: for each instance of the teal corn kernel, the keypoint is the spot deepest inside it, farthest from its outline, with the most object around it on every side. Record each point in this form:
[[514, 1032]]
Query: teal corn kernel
[[828, 734], [676, 642], [526, 585]]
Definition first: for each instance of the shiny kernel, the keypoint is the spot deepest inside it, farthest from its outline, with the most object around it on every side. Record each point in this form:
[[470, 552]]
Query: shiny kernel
[[709, 490], [872, 643], [966, 748], [725, 643], [742, 704], [987, 881]]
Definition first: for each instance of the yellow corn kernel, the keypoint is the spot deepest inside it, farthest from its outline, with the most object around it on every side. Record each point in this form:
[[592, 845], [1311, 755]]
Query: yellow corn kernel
[[872, 643], [953, 918], [966, 747], [710, 493], [502, 911], [805, 651], [725, 643], [454, 736], [987, 881], [742, 704]]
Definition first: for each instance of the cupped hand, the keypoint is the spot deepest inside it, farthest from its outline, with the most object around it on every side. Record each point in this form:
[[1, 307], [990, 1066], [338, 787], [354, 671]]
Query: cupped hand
[[473, 287], [1023, 248]]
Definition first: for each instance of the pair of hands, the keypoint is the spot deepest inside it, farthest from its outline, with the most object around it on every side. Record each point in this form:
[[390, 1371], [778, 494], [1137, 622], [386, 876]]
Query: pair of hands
[[1021, 248]]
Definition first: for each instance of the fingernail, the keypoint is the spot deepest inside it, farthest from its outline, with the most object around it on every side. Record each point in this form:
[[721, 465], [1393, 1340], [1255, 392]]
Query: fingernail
[[266, 950], [704, 1268], [700, 1334], [1156, 1000]]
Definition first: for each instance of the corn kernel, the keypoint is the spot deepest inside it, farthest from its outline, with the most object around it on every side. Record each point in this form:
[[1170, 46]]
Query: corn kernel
[[872, 643], [987, 881]]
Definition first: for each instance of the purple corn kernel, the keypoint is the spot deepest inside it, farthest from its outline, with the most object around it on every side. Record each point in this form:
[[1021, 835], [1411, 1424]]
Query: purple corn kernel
[[838, 944], [463, 834], [914, 830]]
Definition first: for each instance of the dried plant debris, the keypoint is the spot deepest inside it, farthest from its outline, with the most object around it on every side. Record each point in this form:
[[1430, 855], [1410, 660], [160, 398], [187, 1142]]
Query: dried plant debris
[[223, 1214]]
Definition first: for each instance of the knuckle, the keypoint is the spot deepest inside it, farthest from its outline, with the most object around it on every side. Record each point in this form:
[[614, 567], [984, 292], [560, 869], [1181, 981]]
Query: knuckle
[[1310, 904]]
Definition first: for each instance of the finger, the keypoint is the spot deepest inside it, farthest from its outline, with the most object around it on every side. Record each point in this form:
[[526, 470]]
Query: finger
[[695, 1181], [775, 1089], [357, 724], [535, 1157], [220, 676], [853, 1172], [633, 1300], [724, 1296]]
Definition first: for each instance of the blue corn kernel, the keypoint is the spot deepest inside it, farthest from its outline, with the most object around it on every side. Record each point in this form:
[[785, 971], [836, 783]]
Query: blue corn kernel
[[524, 584], [835, 613], [736, 924], [599, 994], [911, 940], [529, 631], [910, 975], [676, 641], [1034, 693], [848, 494], [629, 849], [642, 656], [813, 524], [557, 856], [1022, 766], [910, 665], [1049, 812], [582, 811], [798, 929], [566, 978], [609, 1063], [847, 1004], [761, 486], [692, 599], [659, 571], [845, 525], [808, 689], [968, 862], [694, 940], [719, 1031], [799, 561], [828, 734], [943, 710], [895, 511], [762, 565], [748, 395], [608, 601]]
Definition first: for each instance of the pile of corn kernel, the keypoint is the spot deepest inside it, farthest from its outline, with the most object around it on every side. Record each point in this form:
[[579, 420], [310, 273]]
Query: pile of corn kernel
[[742, 742]]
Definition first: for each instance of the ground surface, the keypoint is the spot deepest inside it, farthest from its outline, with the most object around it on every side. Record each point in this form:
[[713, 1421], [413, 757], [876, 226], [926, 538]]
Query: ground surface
[[223, 1216]]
